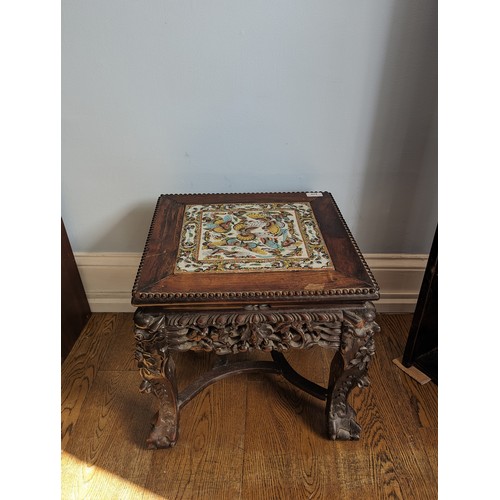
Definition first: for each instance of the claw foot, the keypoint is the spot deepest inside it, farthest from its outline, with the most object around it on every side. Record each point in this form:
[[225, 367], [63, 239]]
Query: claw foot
[[158, 439], [161, 442], [343, 426]]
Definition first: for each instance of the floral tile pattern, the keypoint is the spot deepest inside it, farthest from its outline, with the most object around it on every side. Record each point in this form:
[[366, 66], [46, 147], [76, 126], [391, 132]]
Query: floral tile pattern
[[239, 237]]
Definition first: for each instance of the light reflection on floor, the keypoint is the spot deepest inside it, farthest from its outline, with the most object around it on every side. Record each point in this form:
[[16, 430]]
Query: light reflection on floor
[[80, 480]]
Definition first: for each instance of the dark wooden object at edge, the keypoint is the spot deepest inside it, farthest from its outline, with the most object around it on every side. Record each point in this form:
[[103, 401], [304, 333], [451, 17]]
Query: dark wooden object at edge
[[75, 309], [421, 348]]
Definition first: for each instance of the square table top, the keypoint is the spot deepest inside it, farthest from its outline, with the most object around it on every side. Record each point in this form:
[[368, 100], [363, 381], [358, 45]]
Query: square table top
[[260, 248]]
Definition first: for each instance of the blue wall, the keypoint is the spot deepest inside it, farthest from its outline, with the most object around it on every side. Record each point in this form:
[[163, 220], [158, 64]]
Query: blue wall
[[241, 96]]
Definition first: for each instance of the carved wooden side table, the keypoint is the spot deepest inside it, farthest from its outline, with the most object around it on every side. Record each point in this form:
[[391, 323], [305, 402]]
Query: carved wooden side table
[[231, 273]]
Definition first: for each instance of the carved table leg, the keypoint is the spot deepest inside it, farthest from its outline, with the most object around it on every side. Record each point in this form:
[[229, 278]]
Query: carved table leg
[[349, 369], [158, 372], [349, 332]]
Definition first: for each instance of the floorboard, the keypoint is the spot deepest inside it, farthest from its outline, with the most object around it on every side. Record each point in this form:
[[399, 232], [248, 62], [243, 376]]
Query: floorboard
[[246, 437]]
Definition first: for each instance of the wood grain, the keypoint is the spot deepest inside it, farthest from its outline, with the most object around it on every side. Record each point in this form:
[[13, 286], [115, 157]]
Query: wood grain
[[80, 370], [284, 426], [206, 461], [245, 437], [108, 438], [158, 283]]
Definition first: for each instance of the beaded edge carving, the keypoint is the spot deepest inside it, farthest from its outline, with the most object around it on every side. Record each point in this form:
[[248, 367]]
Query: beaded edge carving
[[161, 297]]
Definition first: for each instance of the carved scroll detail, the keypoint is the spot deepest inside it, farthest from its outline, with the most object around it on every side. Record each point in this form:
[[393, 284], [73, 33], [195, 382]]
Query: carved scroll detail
[[349, 369], [358, 345], [150, 340], [349, 332], [158, 373], [233, 332]]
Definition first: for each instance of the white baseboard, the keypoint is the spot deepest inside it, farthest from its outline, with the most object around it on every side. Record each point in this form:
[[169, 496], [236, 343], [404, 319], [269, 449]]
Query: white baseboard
[[108, 279]]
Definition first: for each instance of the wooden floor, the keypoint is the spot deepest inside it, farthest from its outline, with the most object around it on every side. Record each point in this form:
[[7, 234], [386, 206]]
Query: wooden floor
[[245, 437]]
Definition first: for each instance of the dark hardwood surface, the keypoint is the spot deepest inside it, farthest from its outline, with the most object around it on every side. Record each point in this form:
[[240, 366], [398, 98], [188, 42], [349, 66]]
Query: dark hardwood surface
[[158, 283], [247, 436], [421, 348]]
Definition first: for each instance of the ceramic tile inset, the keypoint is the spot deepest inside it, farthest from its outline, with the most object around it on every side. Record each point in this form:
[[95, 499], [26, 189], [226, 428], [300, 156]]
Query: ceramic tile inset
[[238, 237]]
